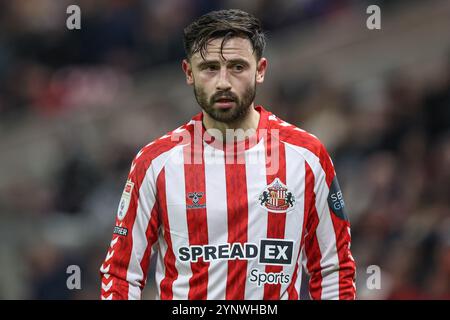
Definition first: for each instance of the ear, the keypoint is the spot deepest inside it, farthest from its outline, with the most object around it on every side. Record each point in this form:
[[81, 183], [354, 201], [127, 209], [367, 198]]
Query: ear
[[261, 70], [186, 66]]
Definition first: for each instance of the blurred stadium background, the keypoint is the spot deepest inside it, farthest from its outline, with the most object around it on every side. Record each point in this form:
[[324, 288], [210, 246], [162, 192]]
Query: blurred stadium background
[[76, 106]]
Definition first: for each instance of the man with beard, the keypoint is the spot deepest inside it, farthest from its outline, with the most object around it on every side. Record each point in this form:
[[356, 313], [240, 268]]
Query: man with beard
[[236, 203]]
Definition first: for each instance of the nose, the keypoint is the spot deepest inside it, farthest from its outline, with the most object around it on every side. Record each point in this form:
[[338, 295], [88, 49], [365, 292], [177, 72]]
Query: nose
[[223, 83]]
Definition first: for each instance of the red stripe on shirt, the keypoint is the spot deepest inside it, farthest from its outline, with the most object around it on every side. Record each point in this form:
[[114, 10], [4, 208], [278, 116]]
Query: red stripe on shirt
[[292, 290], [171, 272], [276, 222], [237, 208], [293, 294], [312, 249], [196, 218], [152, 236], [346, 264]]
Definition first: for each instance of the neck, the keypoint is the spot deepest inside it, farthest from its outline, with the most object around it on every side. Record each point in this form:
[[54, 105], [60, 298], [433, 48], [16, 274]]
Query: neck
[[249, 124]]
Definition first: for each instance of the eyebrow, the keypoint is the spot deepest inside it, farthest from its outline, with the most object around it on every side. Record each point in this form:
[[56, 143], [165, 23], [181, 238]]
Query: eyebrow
[[228, 61]]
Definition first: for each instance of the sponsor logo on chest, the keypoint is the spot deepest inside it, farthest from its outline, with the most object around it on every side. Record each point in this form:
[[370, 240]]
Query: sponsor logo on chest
[[268, 252]]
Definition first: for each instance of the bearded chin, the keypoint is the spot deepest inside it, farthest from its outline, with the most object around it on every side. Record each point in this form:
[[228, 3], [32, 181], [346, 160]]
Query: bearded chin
[[227, 116]]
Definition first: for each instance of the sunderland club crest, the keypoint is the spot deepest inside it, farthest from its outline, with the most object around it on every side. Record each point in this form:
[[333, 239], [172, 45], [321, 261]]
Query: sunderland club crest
[[277, 198]]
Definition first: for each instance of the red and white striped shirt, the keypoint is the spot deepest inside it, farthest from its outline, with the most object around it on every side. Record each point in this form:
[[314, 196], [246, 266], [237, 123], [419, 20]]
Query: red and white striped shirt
[[231, 221]]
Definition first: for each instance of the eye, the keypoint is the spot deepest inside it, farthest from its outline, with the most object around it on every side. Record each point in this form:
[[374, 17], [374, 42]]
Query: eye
[[238, 67], [210, 68]]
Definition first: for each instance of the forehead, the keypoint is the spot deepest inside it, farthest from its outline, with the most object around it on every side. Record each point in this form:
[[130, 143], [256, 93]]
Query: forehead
[[233, 48]]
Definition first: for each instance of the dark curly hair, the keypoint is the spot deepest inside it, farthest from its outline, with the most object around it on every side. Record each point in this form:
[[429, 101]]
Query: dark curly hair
[[227, 24]]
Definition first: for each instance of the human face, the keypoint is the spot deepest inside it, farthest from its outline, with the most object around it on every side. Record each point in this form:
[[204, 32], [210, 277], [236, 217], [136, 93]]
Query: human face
[[225, 88]]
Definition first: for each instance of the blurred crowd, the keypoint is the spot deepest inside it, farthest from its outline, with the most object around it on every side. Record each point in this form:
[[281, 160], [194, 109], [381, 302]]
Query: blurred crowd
[[394, 164], [128, 36], [79, 99]]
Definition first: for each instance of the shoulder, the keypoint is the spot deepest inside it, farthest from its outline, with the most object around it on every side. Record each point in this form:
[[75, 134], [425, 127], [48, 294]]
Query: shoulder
[[305, 144], [160, 147], [295, 136]]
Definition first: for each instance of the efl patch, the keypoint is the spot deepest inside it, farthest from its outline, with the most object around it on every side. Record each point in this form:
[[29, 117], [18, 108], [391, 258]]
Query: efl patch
[[277, 198], [125, 200]]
